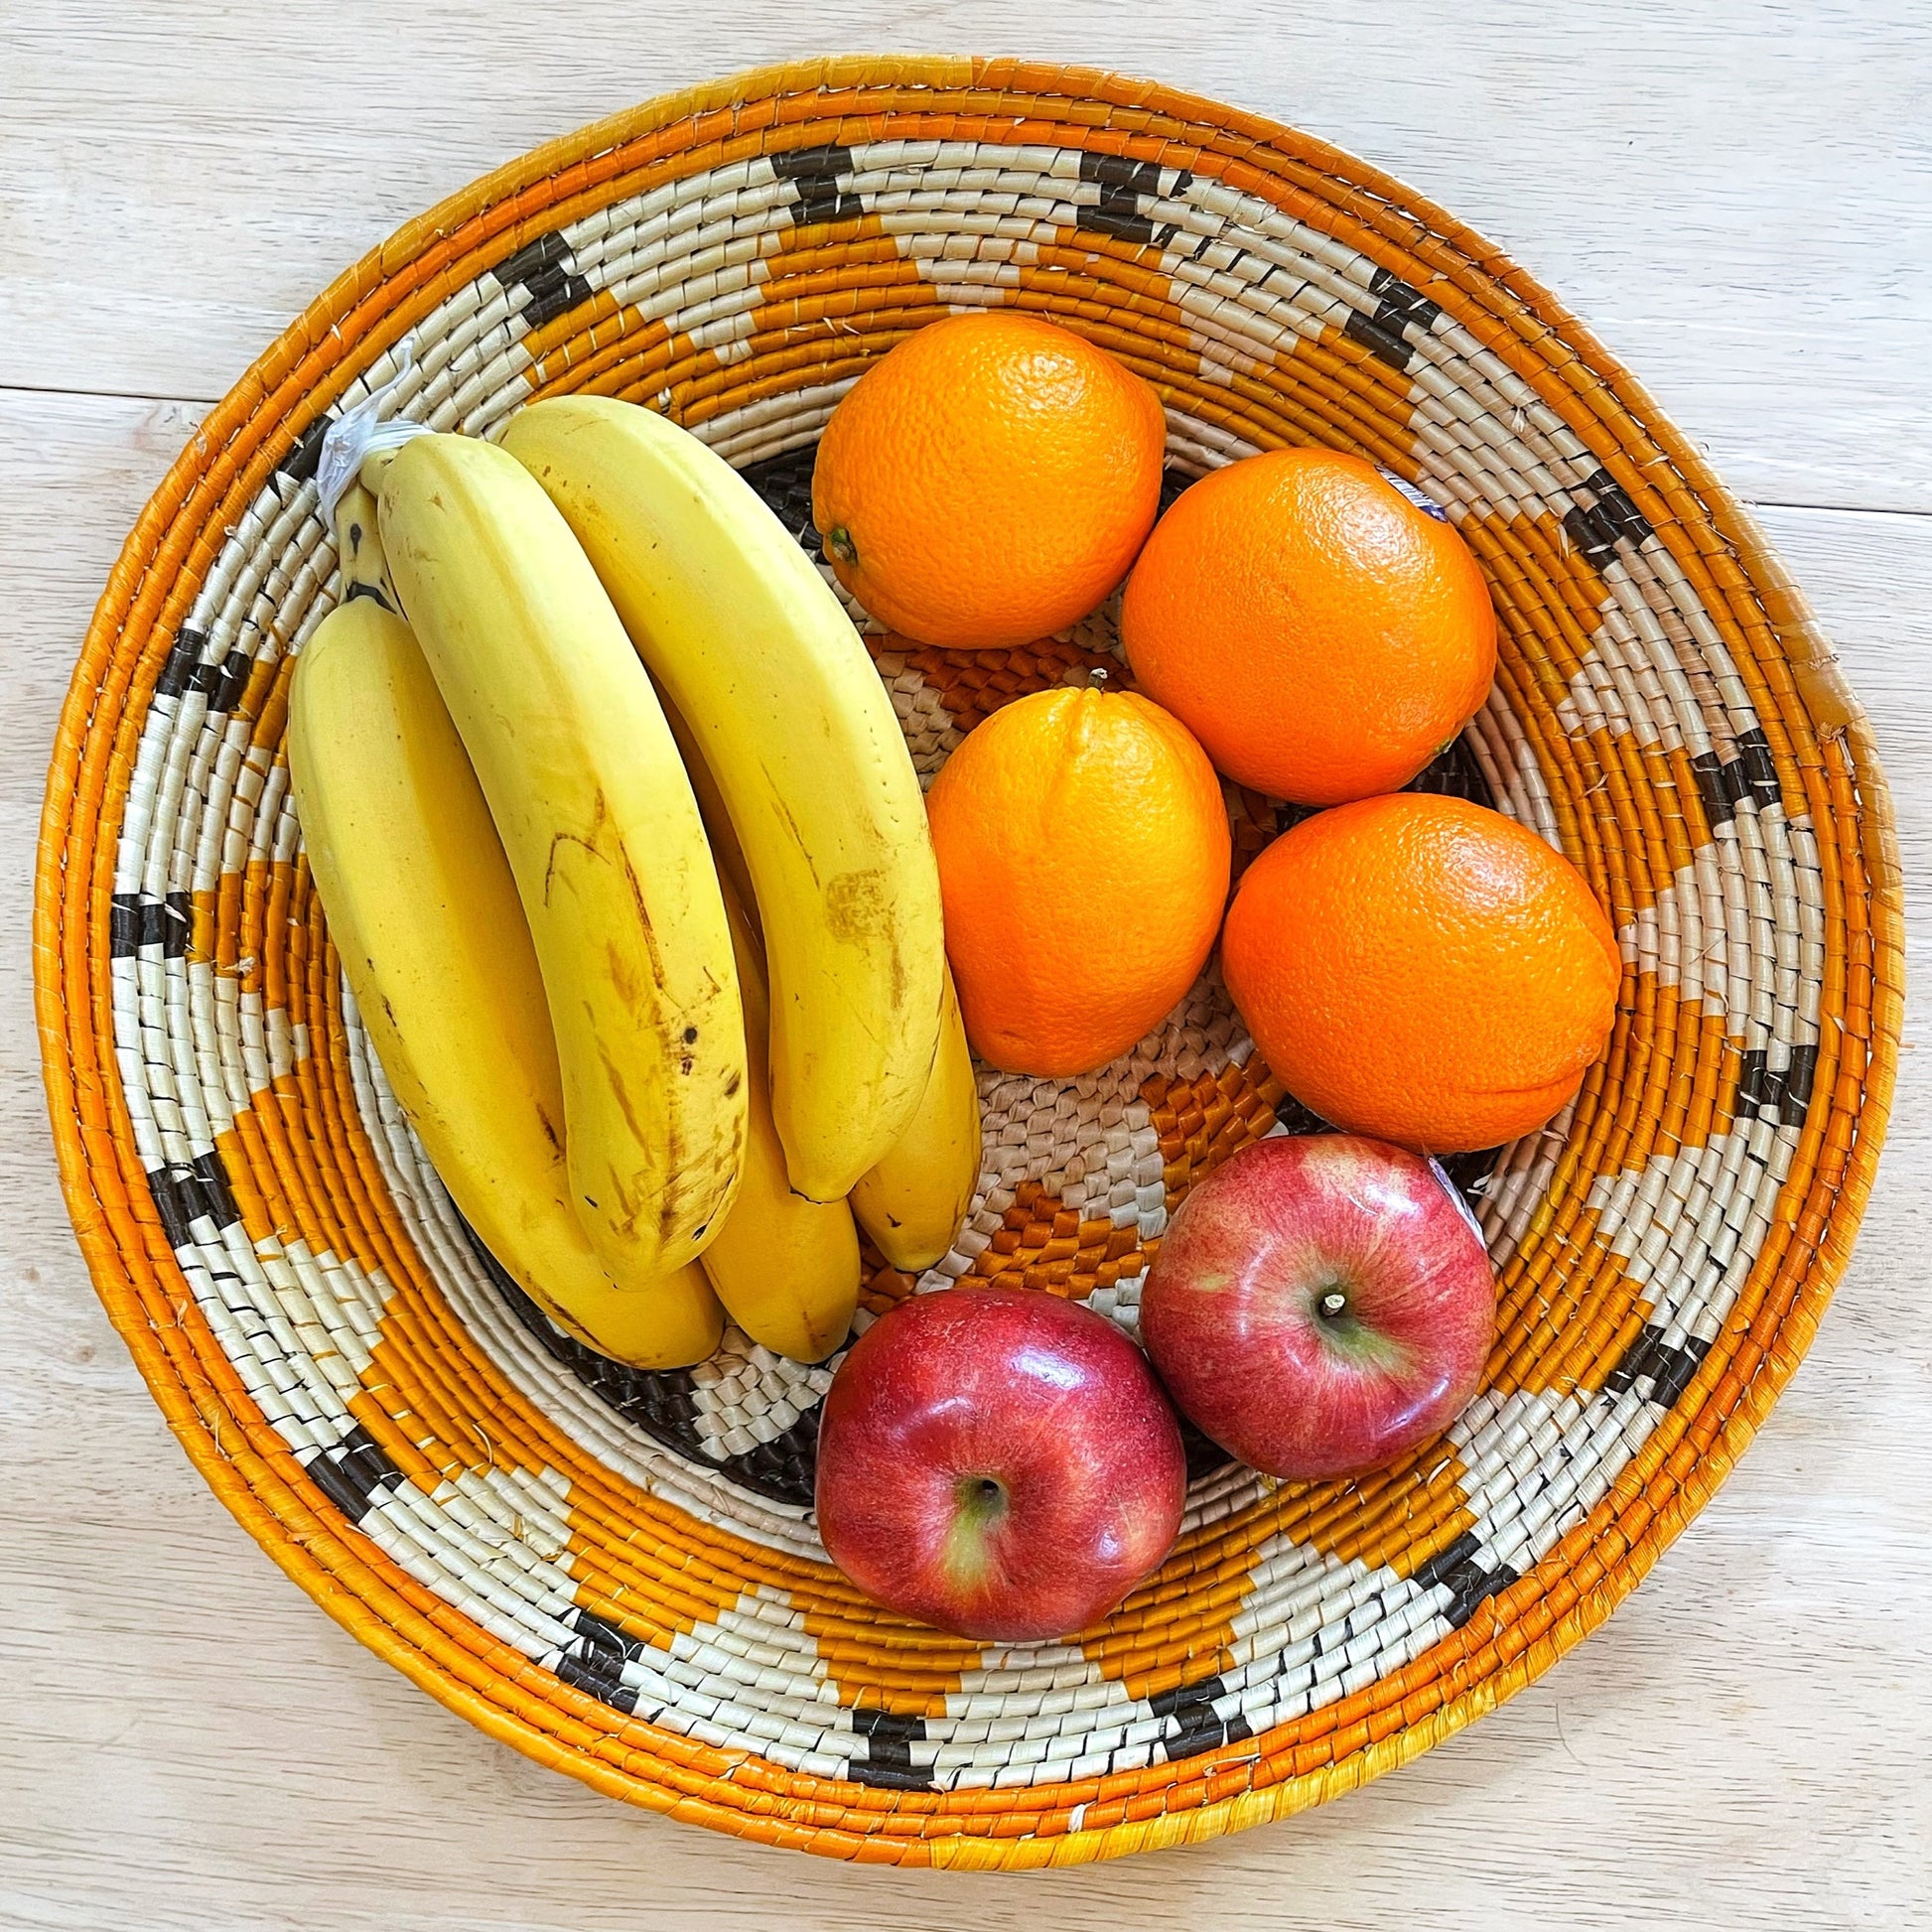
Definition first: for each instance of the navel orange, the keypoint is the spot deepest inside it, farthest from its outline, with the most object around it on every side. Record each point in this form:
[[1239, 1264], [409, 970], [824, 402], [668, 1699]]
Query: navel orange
[[1319, 635], [989, 480], [1422, 969], [1083, 859]]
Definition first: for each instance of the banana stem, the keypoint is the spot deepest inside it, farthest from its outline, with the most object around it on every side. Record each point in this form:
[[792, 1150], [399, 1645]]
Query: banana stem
[[373, 465]]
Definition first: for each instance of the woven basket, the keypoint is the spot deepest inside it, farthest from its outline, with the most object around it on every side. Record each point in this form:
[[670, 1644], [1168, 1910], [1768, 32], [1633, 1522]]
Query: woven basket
[[618, 1573]]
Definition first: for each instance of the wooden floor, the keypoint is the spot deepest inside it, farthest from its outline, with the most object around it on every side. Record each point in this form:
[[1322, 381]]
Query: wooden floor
[[1738, 197]]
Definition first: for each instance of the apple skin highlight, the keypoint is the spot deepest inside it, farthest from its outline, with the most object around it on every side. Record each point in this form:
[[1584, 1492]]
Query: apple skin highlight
[[1319, 1305]]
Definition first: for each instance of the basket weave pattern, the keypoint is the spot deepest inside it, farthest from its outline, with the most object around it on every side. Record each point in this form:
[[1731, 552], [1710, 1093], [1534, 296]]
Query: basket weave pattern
[[618, 1573]]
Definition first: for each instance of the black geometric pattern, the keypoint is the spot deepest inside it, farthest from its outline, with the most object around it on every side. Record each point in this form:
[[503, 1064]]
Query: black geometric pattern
[[299, 466], [1122, 185], [184, 674], [135, 920], [1612, 519], [1468, 1174], [888, 1760], [662, 1403], [1172, 483], [784, 482], [1748, 777], [1780, 1094], [1398, 307], [351, 1473], [545, 268], [194, 1191], [1759, 771], [594, 1663], [1205, 1457], [814, 172], [1294, 1118], [1467, 1581], [1198, 1728], [1666, 1366], [1453, 773]]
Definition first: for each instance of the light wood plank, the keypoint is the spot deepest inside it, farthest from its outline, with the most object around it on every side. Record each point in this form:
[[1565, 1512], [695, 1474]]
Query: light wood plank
[[193, 1746], [1739, 199]]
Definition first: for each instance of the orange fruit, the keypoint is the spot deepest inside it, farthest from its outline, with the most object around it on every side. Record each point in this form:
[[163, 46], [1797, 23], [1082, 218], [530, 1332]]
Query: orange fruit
[[989, 480], [1319, 635], [1083, 860], [1423, 970]]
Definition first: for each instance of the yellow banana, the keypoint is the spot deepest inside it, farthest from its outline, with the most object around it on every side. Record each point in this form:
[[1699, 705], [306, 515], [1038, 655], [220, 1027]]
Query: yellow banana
[[912, 1202], [734, 874], [426, 920], [676, 1321], [603, 837], [786, 1268], [753, 647]]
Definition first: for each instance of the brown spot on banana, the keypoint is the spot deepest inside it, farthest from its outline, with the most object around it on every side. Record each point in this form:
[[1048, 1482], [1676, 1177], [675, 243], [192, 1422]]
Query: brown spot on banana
[[558, 839], [616, 964], [622, 1094], [643, 915], [856, 906], [791, 828]]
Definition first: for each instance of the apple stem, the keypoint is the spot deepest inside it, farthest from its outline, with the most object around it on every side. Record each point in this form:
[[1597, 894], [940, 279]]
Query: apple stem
[[1334, 1304], [982, 1499]]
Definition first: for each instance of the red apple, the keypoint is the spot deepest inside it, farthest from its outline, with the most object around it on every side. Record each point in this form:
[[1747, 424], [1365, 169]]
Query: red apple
[[1320, 1305], [999, 1462]]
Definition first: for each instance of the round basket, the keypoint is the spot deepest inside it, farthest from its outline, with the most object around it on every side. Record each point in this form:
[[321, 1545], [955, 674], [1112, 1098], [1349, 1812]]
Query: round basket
[[618, 1573]]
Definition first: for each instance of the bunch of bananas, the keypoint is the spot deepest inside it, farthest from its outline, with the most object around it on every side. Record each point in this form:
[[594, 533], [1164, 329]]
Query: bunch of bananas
[[627, 869]]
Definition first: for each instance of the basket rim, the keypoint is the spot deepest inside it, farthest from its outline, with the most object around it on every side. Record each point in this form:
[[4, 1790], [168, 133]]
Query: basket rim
[[64, 969]]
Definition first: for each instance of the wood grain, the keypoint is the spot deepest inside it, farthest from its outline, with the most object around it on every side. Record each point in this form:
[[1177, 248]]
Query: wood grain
[[1740, 198], [1741, 201]]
